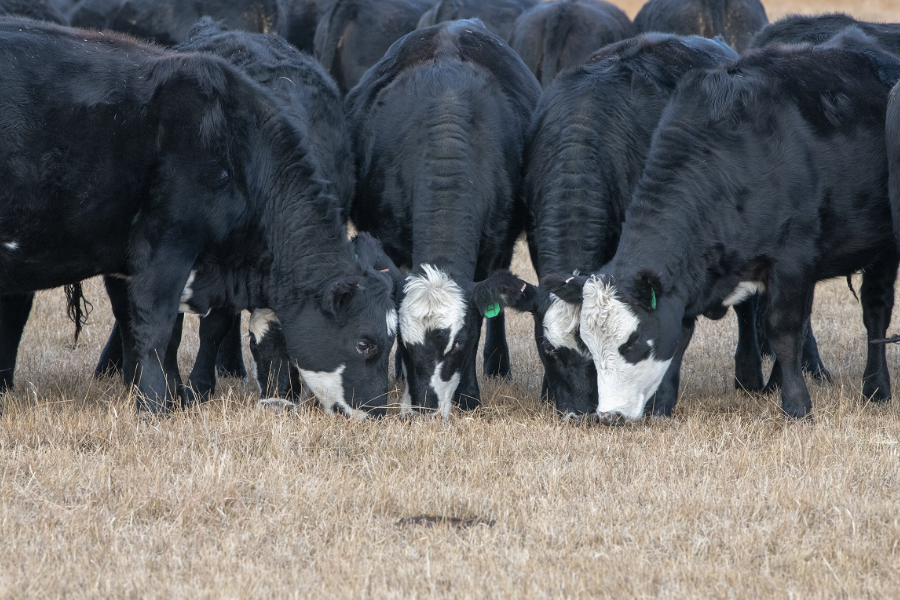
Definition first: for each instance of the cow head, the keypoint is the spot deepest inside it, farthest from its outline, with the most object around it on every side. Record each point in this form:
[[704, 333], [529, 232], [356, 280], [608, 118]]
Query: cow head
[[440, 325], [341, 339], [569, 373], [632, 329]]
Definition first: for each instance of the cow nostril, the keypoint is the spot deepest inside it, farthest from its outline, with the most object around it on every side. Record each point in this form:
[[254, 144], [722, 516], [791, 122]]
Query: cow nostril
[[612, 419]]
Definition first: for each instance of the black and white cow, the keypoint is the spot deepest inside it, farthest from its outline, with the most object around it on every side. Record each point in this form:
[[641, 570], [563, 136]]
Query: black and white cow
[[354, 34], [34, 9], [553, 36], [438, 126], [735, 20], [169, 21], [498, 16], [819, 29], [584, 155], [298, 19], [768, 174], [182, 175]]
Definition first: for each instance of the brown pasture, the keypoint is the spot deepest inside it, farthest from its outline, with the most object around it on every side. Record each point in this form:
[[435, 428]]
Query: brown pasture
[[231, 500]]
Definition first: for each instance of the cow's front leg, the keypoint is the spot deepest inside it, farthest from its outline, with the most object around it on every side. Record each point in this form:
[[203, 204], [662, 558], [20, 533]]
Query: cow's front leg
[[214, 327], [14, 311], [468, 394], [747, 358], [877, 297], [496, 350], [785, 327], [663, 402], [230, 360]]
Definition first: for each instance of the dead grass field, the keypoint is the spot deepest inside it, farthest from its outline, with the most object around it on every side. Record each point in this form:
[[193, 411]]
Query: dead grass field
[[725, 500]]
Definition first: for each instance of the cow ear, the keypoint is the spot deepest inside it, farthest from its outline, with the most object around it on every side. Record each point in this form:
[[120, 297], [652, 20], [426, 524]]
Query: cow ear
[[568, 288], [339, 294], [502, 289], [371, 255], [647, 289]]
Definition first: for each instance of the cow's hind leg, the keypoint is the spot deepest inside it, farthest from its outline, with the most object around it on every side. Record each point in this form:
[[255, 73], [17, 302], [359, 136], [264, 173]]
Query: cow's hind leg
[[877, 298], [496, 350], [230, 360], [785, 322], [14, 311], [747, 358], [113, 354], [214, 327], [277, 378]]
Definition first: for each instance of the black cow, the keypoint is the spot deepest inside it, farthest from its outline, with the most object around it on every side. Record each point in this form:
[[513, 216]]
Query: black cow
[[556, 35], [354, 34], [819, 29], [310, 98], [735, 20], [438, 126], [182, 175], [94, 14], [499, 16], [768, 174], [585, 152], [298, 19], [169, 21], [35, 9]]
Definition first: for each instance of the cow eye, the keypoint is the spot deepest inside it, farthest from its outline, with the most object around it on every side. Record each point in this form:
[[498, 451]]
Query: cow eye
[[366, 348], [549, 349]]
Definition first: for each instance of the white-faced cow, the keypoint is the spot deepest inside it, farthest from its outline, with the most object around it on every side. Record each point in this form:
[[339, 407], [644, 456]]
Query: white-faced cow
[[735, 20], [498, 16], [584, 154], [354, 34], [768, 174], [179, 173], [553, 36], [438, 126]]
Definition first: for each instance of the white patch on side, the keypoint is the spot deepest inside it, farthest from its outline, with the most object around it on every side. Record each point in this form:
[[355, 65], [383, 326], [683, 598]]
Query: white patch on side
[[432, 301], [328, 386], [744, 290], [260, 320], [444, 390], [392, 322], [186, 294], [606, 324], [11, 245], [561, 324]]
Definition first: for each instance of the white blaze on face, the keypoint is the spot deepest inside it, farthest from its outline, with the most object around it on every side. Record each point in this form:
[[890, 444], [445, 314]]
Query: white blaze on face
[[260, 321], [444, 390], [328, 388], [11, 245], [606, 324], [432, 301], [561, 324], [186, 294], [744, 290]]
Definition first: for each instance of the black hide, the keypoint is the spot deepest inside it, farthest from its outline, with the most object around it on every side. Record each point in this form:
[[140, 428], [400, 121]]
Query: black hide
[[819, 29], [499, 16], [735, 20]]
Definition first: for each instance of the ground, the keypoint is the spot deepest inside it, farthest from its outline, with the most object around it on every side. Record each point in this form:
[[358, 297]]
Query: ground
[[231, 500]]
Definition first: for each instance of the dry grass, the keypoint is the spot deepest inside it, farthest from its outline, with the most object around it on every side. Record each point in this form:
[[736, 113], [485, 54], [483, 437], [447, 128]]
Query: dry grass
[[230, 500]]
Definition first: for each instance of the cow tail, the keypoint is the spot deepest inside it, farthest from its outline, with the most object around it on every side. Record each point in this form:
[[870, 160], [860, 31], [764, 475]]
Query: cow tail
[[327, 41], [555, 30], [78, 308], [892, 139]]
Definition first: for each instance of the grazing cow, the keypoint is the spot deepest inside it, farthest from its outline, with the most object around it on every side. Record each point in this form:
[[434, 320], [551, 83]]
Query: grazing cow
[[768, 174], [499, 16], [735, 20], [354, 34], [35, 9], [584, 155], [438, 126], [169, 21], [819, 29], [553, 36], [179, 173], [297, 21]]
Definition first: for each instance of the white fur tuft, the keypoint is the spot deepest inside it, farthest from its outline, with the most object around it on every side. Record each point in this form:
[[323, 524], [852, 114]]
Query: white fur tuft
[[432, 301]]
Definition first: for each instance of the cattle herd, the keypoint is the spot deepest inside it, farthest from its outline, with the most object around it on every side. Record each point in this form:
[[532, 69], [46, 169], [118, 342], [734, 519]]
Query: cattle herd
[[209, 157]]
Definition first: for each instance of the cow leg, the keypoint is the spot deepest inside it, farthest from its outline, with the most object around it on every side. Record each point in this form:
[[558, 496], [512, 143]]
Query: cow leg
[[214, 327], [275, 373], [117, 290], [230, 360], [496, 350], [468, 395], [14, 311], [110, 362], [785, 321], [663, 402], [877, 297], [810, 359], [747, 359]]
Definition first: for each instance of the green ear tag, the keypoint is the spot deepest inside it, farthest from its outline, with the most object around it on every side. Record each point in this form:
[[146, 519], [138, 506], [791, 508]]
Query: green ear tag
[[356, 256], [492, 310], [652, 298]]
